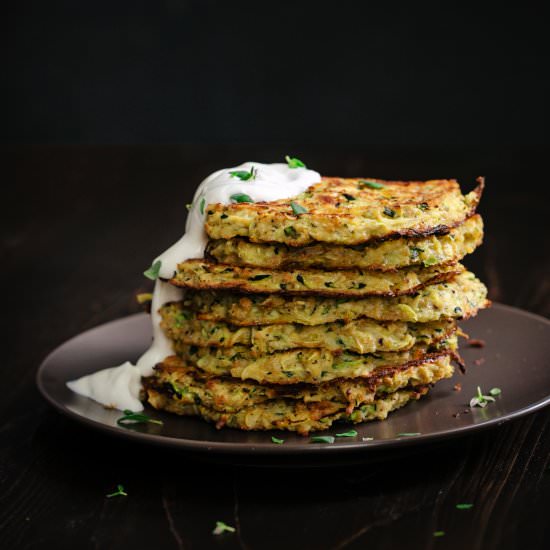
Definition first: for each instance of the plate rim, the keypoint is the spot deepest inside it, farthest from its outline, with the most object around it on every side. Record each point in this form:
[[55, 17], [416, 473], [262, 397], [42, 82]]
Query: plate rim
[[268, 448]]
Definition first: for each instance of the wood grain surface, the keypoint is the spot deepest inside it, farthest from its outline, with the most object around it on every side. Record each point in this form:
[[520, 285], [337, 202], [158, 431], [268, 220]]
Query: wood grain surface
[[79, 226]]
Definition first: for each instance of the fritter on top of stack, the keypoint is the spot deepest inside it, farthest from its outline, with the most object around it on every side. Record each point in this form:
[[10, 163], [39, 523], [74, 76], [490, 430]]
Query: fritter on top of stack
[[338, 304]]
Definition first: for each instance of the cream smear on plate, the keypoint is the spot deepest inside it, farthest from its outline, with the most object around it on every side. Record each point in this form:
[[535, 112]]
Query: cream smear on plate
[[119, 387]]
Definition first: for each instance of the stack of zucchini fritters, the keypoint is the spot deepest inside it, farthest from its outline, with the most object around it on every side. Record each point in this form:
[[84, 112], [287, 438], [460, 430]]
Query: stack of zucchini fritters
[[338, 304]]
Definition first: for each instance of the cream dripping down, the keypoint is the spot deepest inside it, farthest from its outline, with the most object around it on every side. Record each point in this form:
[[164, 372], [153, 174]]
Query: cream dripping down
[[119, 387]]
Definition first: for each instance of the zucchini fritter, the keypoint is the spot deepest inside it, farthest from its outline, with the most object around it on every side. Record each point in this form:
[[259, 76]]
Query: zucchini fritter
[[201, 275], [188, 386], [311, 366], [384, 256], [285, 414], [348, 211], [459, 298], [361, 336]]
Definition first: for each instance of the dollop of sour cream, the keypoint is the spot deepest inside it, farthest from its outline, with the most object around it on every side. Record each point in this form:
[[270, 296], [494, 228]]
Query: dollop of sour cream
[[119, 387]]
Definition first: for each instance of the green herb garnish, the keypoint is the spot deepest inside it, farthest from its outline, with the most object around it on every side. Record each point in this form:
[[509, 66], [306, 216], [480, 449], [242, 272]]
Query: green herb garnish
[[322, 439], [389, 212], [201, 206], [277, 440], [423, 206], [118, 493], [243, 175], [291, 232], [293, 162], [153, 272], [189, 206], [429, 261], [298, 209], [408, 434], [495, 391], [371, 184], [131, 417], [464, 506], [350, 433], [439, 533], [221, 527], [481, 400], [240, 197]]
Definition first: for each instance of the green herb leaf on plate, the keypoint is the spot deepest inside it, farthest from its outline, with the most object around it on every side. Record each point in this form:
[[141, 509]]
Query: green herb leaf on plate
[[277, 440], [464, 506], [408, 434], [495, 391], [131, 417], [322, 439], [350, 433]]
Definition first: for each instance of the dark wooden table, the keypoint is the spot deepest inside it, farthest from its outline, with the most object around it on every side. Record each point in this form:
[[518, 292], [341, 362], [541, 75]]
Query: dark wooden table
[[80, 224]]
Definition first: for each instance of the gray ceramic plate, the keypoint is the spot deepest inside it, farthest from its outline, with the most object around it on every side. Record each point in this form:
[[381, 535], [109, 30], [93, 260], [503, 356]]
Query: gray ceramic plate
[[515, 358]]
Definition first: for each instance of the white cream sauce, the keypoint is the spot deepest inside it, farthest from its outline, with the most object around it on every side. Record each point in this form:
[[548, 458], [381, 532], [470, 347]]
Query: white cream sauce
[[119, 387]]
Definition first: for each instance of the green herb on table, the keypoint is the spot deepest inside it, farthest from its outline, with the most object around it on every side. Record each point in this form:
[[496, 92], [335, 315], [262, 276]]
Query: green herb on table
[[222, 527], [464, 506], [350, 433], [322, 439], [293, 162], [131, 418], [481, 400], [153, 272], [240, 197], [243, 175], [277, 440], [371, 184], [408, 434], [118, 493], [298, 209], [439, 533]]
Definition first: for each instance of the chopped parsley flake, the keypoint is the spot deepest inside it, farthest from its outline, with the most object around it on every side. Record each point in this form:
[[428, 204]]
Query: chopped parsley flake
[[291, 232], [277, 440], [495, 391], [481, 400], [464, 506], [189, 206], [240, 197], [294, 162], [439, 533], [221, 527], [423, 206], [243, 175], [153, 272], [201, 206], [322, 439], [350, 433], [408, 434], [371, 184], [298, 209], [118, 493], [131, 418]]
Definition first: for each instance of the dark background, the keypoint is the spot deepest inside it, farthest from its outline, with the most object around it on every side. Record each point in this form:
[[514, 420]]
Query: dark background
[[312, 72], [117, 111]]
